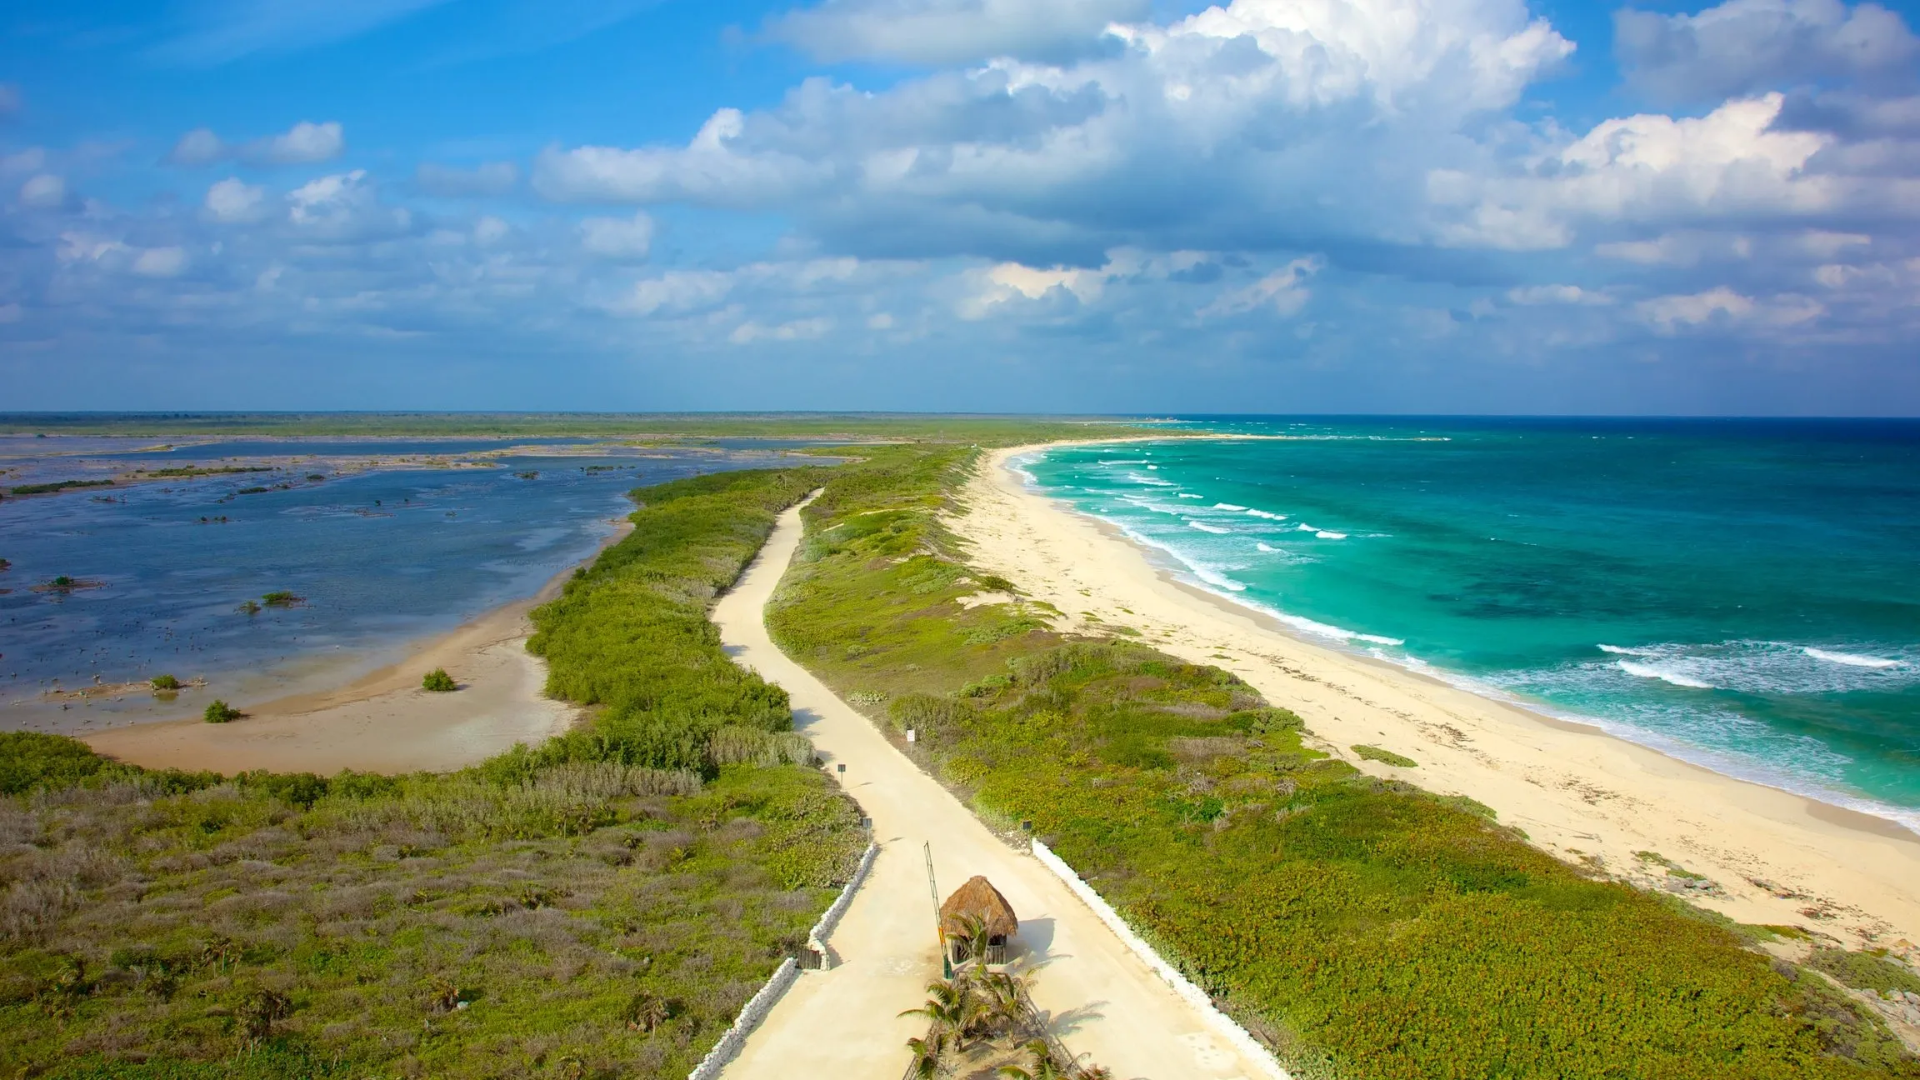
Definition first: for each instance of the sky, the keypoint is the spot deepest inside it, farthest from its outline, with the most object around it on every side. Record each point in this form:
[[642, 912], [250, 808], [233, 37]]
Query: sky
[[1093, 206]]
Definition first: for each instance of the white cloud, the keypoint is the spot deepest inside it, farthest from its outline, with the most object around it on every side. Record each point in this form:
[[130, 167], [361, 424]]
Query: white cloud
[[232, 201], [163, 262], [305, 143], [490, 230], [675, 292], [943, 32], [1284, 291], [1743, 46], [492, 178], [798, 330], [1721, 305], [1645, 168], [618, 238], [1534, 295], [44, 191]]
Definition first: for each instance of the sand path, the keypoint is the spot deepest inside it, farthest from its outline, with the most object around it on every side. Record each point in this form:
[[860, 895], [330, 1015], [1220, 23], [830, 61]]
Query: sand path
[[1773, 857], [842, 1023]]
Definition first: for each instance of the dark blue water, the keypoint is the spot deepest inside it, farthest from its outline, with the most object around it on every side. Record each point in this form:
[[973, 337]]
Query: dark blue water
[[379, 556], [1743, 593]]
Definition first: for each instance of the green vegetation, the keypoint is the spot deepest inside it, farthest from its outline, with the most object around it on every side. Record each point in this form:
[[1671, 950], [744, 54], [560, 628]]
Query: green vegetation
[[1866, 971], [588, 920], [598, 906], [219, 712], [62, 581], [282, 599], [438, 681], [1385, 757], [165, 682], [1362, 927], [249, 607], [253, 490], [63, 485], [631, 635]]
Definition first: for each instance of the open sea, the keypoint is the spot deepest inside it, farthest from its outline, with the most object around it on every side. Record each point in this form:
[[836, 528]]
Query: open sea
[[1744, 594], [381, 557]]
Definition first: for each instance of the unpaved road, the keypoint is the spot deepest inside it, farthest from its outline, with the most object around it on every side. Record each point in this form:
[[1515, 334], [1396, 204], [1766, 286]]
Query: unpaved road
[[843, 1023]]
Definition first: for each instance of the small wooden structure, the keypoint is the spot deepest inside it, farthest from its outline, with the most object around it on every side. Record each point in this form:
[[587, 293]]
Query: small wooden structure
[[977, 900]]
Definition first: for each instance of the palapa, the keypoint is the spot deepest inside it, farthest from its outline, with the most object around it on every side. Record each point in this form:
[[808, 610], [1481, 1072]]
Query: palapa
[[981, 900]]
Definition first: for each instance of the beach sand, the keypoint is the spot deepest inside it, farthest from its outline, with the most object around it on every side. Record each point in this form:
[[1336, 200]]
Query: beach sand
[[382, 722], [1589, 798]]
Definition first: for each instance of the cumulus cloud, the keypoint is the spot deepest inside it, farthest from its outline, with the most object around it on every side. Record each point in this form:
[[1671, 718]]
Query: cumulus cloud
[[305, 143], [1260, 123], [1744, 46], [618, 238], [946, 32], [1722, 305], [344, 206], [491, 178], [232, 200], [43, 191], [799, 330]]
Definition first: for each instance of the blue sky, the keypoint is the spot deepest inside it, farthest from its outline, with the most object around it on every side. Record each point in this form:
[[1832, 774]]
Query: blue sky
[[1080, 205]]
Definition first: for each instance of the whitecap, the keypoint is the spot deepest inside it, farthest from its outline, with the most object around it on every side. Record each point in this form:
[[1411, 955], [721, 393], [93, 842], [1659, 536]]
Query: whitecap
[[1265, 547], [1654, 671], [1189, 495], [1267, 515], [1228, 506], [1204, 527], [1850, 659], [1153, 466], [1621, 650], [1331, 535]]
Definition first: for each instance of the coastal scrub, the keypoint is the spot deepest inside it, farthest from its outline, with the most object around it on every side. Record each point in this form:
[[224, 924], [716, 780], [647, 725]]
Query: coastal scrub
[[1364, 929], [438, 681]]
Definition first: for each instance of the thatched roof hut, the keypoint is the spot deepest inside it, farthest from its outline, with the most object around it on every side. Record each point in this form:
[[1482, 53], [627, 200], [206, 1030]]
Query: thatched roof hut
[[980, 899]]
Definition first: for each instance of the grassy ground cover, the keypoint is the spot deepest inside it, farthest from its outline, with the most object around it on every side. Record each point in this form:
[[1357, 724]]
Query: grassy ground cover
[[1364, 928], [599, 906]]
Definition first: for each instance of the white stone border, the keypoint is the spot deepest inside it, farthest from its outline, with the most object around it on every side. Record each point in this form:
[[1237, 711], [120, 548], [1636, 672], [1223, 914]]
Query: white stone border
[[817, 937], [754, 1011], [1232, 1032]]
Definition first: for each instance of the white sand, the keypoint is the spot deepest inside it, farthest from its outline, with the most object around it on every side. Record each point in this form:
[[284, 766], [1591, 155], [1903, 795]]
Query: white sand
[[1578, 793]]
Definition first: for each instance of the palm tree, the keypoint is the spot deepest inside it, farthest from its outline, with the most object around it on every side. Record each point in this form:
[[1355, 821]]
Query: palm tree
[[953, 1007], [927, 1054], [1003, 994], [1039, 1067]]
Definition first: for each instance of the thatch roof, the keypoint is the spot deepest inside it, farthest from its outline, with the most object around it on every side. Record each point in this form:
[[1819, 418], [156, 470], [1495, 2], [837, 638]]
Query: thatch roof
[[979, 898]]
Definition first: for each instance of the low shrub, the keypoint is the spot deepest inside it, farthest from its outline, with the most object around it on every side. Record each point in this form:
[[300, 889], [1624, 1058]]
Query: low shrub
[[1384, 756], [165, 682], [219, 712], [438, 681]]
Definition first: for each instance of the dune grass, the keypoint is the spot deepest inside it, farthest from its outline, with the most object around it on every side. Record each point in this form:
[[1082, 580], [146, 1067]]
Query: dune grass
[[1363, 928]]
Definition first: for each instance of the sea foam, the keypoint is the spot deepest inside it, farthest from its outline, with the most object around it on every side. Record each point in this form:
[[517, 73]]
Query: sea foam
[[1850, 659], [1654, 671]]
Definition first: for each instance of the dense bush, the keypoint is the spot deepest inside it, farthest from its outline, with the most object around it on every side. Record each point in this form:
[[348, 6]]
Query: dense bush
[[1368, 930], [219, 712], [438, 681], [165, 682], [631, 636]]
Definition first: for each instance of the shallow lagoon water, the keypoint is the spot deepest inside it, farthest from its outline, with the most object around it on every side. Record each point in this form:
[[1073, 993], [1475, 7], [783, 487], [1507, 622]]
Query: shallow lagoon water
[[1744, 594], [380, 557]]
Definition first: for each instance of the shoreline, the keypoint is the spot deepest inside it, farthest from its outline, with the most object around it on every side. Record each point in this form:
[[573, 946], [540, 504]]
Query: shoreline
[[383, 721], [1578, 791]]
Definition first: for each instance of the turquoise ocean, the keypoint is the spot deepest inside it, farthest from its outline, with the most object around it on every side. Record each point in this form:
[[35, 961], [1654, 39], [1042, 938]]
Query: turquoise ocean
[[1743, 594]]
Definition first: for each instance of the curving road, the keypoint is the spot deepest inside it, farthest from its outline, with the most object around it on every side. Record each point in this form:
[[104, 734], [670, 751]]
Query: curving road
[[842, 1023]]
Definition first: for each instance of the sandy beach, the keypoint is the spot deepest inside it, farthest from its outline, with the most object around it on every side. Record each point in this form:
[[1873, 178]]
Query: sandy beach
[[1766, 856], [382, 722]]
